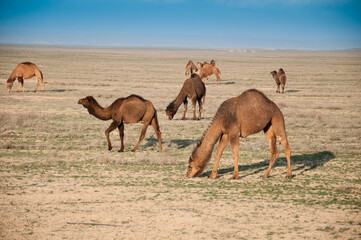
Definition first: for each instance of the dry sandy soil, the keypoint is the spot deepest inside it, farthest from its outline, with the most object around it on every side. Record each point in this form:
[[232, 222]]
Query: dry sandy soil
[[59, 181]]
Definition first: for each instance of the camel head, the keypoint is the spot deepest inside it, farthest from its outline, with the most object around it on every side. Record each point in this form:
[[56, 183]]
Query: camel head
[[170, 110], [87, 101], [213, 62], [273, 73], [193, 169], [9, 84]]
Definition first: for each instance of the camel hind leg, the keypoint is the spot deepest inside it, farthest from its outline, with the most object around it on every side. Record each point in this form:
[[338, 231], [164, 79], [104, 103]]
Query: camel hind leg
[[200, 104], [155, 125], [194, 102], [121, 135], [234, 139]]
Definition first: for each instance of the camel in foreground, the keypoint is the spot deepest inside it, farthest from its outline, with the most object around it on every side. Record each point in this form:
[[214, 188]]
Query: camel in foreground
[[23, 71], [238, 117], [194, 89], [280, 78], [131, 109], [190, 68], [207, 69]]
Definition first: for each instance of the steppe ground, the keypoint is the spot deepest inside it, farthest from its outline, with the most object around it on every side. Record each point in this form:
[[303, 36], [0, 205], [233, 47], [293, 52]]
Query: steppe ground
[[59, 181]]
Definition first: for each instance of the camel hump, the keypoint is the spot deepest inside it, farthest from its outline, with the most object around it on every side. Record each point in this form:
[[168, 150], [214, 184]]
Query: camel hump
[[136, 96]]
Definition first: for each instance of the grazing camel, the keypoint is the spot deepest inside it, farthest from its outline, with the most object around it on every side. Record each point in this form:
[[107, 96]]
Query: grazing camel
[[131, 109], [207, 69], [280, 79], [237, 117], [194, 89], [190, 68], [23, 71]]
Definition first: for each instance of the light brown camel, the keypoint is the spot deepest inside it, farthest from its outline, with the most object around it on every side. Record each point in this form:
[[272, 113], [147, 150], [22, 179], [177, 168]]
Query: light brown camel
[[206, 70], [190, 68], [23, 71], [238, 117], [280, 79], [194, 89], [131, 109]]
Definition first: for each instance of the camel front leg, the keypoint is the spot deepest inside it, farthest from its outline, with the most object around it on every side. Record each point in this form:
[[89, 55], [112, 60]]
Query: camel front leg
[[273, 149], [21, 83], [185, 103], [121, 135], [112, 126], [234, 139], [142, 135], [221, 146], [37, 84]]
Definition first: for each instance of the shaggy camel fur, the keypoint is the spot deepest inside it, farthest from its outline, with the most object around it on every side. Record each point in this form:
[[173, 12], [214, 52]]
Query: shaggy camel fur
[[190, 68], [280, 79], [207, 69], [237, 117], [194, 89], [127, 110], [23, 71]]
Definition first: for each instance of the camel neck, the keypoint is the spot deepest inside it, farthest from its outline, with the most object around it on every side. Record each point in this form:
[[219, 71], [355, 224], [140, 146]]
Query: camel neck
[[180, 99], [203, 151], [99, 112]]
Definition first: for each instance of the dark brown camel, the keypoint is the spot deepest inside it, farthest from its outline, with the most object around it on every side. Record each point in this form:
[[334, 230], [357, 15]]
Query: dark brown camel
[[190, 68], [207, 69], [280, 79], [23, 71], [194, 89], [237, 117], [127, 110]]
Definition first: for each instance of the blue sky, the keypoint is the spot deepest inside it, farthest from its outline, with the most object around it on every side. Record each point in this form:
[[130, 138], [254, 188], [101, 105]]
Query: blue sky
[[280, 24]]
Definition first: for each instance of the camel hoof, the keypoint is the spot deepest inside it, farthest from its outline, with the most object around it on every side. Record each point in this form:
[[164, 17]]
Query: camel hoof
[[110, 148], [264, 176], [235, 176], [290, 177], [121, 150]]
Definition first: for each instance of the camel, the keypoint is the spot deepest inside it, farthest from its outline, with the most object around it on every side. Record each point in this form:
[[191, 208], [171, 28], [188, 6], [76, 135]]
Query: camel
[[237, 117], [131, 109], [190, 68], [23, 71], [280, 79], [207, 69], [194, 89]]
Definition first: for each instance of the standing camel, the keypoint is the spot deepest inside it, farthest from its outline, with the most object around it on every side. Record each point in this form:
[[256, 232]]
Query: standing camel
[[280, 78], [23, 71], [238, 117], [190, 68], [131, 109], [194, 89], [207, 70]]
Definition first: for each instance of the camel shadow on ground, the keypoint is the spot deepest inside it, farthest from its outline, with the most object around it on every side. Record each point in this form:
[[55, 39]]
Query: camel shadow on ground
[[299, 163]]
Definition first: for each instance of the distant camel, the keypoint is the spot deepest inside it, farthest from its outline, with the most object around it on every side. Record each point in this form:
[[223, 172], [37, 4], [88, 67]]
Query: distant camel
[[23, 71], [237, 117], [207, 69], [190, 68], [194, 89], [280, 79], [127, 110]]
